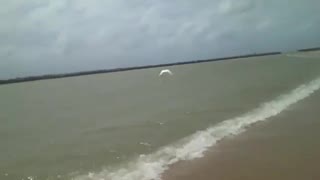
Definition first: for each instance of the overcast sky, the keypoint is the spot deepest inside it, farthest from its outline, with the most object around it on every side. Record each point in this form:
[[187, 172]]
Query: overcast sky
[[54, 36]]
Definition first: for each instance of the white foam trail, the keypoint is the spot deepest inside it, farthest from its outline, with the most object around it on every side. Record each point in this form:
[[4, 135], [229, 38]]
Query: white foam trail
[[150, 167]]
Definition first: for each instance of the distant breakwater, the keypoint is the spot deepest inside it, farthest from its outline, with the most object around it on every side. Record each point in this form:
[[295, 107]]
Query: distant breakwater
[[83, 73], [309, 49]]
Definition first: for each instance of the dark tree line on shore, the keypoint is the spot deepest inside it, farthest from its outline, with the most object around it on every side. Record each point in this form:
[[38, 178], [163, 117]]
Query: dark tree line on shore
[[56, 76]]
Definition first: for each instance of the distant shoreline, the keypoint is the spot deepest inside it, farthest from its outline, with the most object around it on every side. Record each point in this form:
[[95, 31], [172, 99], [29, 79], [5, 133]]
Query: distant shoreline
[[83, 73], [309, 49]]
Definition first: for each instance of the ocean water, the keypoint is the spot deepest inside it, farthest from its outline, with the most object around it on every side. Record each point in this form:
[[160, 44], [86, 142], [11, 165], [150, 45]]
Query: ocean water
[[133, 125]]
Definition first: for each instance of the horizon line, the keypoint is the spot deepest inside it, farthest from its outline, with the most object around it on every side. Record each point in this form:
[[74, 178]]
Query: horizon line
[[102, 71]]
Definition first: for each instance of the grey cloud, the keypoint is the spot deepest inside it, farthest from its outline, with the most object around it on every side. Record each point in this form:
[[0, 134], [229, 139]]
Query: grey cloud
[[236, 7], [53, 36]]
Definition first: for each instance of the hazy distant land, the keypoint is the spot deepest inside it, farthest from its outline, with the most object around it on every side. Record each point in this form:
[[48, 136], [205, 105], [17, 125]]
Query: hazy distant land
[[55, 76]]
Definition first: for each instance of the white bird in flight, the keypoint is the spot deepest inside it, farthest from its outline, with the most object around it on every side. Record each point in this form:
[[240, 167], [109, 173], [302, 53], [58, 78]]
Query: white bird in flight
[[165, 72]]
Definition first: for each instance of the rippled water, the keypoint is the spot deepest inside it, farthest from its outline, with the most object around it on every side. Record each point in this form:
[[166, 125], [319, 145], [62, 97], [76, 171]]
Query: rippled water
[[115, 126]]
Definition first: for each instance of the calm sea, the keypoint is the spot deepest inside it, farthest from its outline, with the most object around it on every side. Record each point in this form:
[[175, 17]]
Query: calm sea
[[132, 125]]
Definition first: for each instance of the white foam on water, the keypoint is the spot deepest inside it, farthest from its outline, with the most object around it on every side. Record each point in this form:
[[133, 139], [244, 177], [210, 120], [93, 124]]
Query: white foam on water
[[150, 167]]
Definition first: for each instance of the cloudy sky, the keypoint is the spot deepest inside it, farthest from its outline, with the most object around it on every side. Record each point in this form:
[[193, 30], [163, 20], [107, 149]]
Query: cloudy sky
[[54, 36]]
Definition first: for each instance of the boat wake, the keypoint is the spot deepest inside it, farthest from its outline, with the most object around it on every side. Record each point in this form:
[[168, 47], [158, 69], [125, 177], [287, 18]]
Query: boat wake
[[151, 166]]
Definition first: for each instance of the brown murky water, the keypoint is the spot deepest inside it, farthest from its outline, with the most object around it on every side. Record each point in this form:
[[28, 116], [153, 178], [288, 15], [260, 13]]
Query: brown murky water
[[97, 127]]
